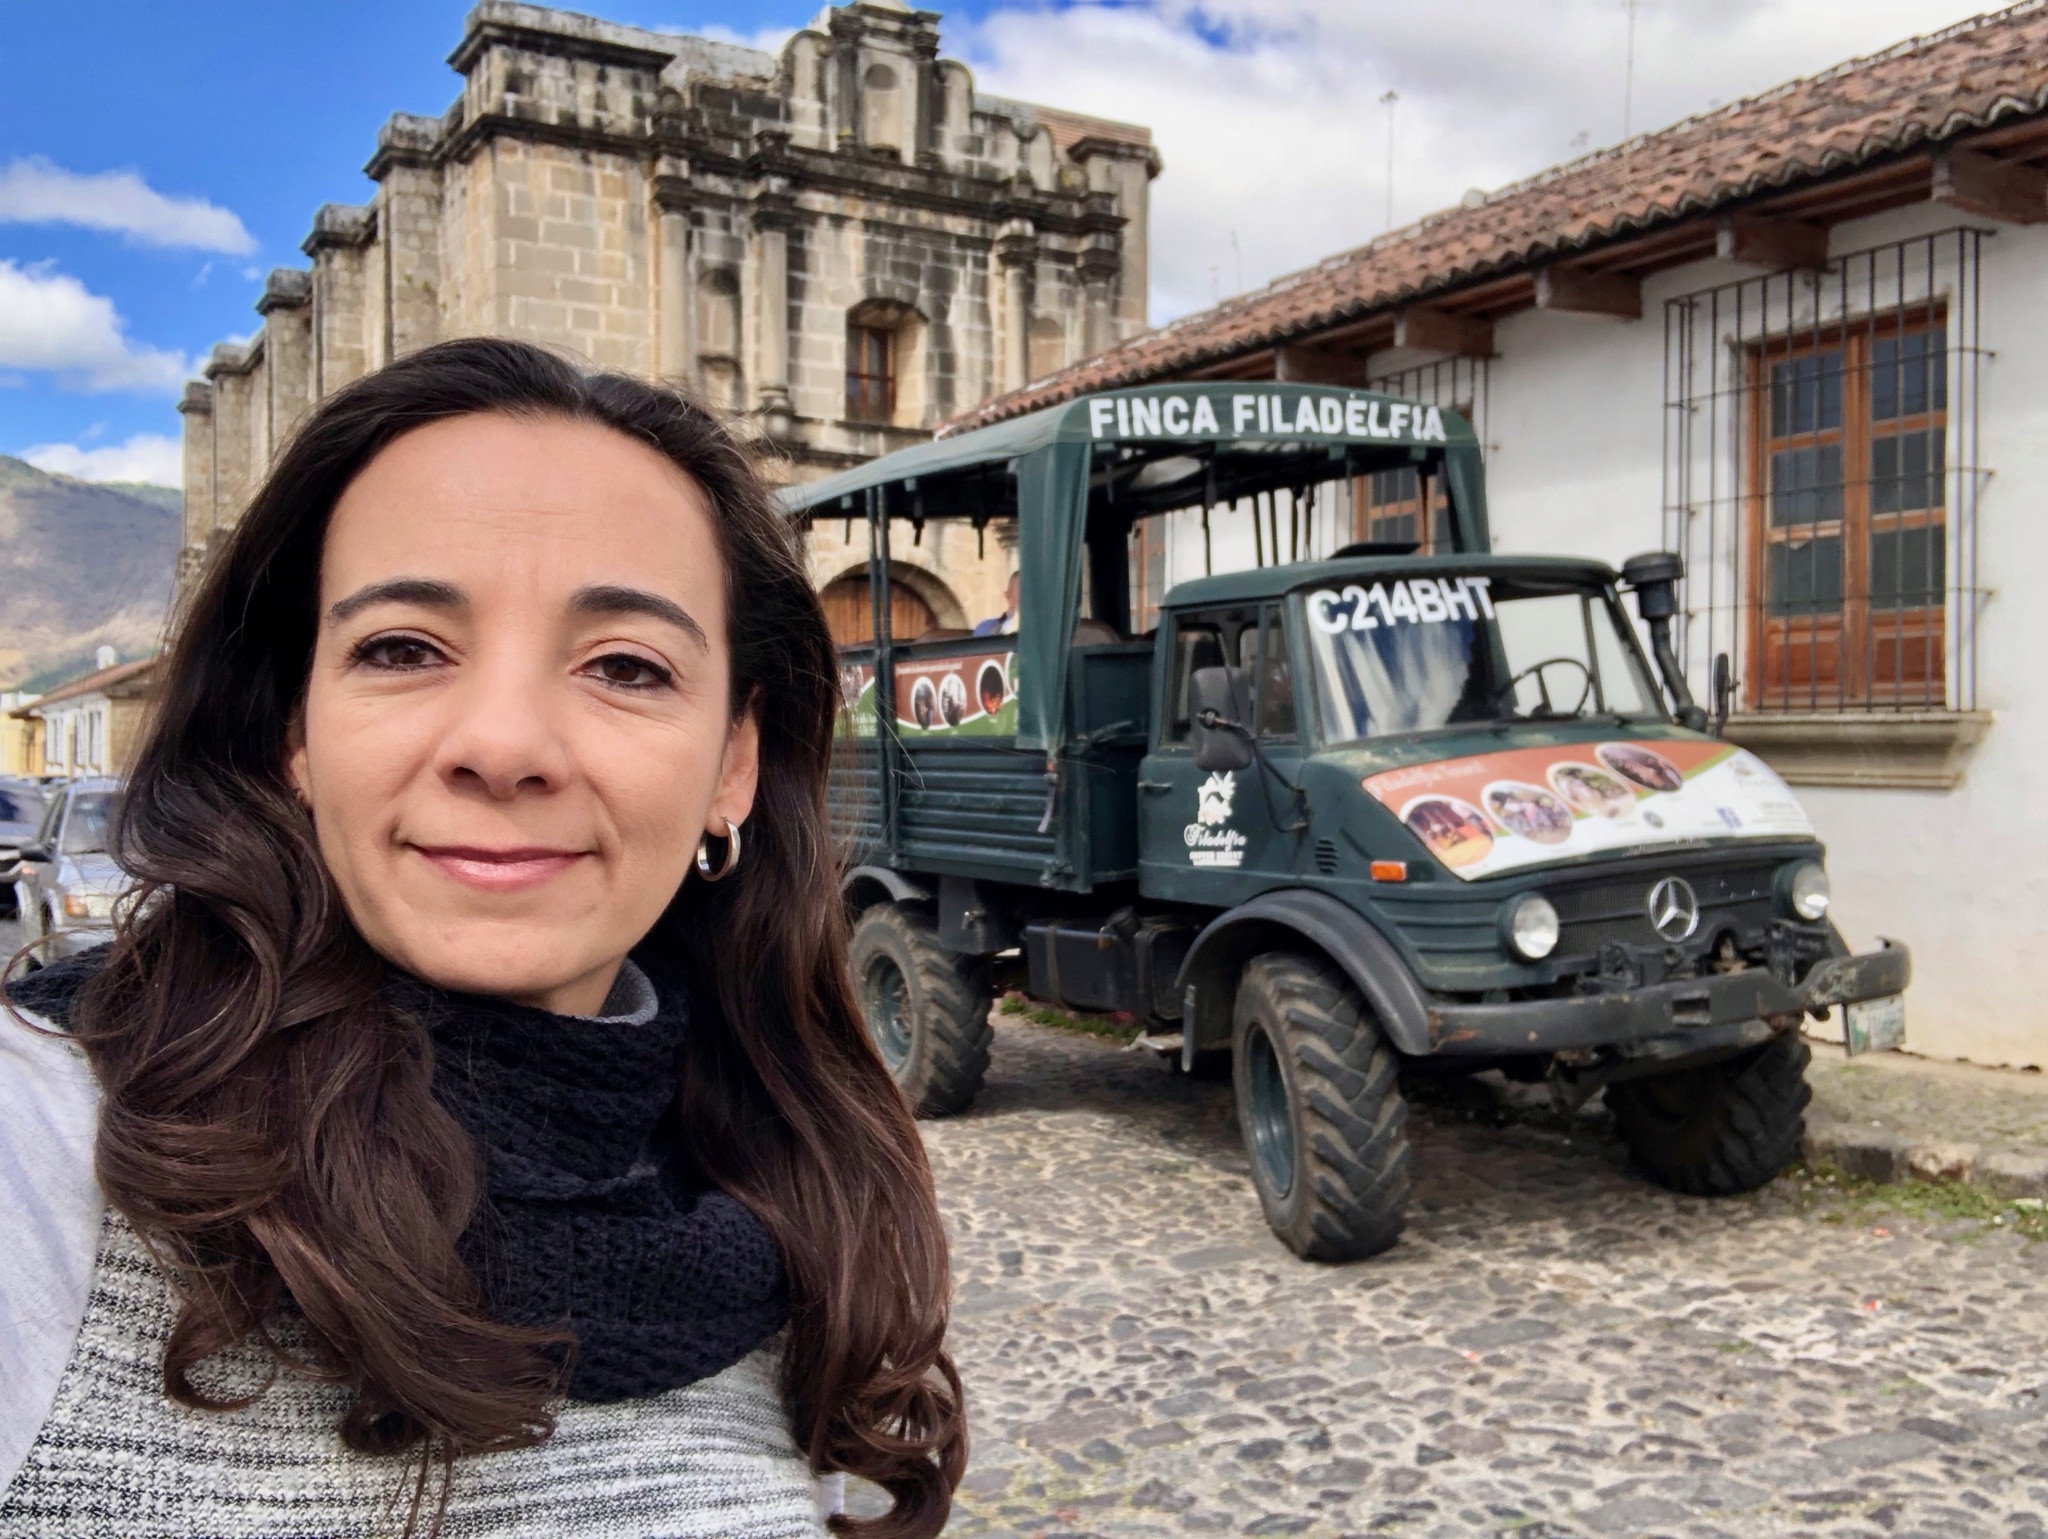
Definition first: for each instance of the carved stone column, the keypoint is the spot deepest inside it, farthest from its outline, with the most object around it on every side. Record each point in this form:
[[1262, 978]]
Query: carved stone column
[[1100, 264], [1016, 251], [234, 471], [774, 212], [675, 346], [287, 310], [197, 409], [409, 232]]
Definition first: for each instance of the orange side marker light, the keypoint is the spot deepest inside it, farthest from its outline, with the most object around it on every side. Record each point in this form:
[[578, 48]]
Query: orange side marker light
[[1390, 871]]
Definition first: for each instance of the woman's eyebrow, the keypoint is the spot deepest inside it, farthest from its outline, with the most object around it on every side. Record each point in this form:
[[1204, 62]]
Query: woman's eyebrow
[[426, 591], [605, 599]]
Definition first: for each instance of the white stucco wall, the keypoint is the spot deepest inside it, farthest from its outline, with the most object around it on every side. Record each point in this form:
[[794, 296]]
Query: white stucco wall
[[1575, 465]]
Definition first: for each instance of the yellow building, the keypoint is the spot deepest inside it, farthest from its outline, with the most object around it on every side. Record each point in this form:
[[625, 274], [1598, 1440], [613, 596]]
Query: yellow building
[[21, 734], [89, 726]]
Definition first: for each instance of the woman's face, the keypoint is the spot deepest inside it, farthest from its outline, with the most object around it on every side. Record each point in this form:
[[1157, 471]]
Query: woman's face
[[517, 725]]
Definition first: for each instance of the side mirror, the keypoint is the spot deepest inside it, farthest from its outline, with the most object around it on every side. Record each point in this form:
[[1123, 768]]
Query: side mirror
[[1724, 692], [35, 852], [1219, 703], [1654, 578]]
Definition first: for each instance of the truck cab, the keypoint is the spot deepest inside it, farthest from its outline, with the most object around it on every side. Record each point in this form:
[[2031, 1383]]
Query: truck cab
[[1334, 816]]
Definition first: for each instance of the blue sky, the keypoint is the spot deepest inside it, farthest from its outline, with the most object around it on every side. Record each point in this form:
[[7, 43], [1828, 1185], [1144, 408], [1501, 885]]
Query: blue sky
[[156, 158], [264, 111]]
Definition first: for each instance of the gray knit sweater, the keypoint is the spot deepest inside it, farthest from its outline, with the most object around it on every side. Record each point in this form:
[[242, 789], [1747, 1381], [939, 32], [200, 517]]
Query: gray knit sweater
[[90, 1448]]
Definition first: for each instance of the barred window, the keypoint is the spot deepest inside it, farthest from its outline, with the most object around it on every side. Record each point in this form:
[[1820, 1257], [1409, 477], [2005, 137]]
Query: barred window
[[1849, 516], [1388, 504], [870, 373], [1148, 572], [1392, 509], [1820, 478]]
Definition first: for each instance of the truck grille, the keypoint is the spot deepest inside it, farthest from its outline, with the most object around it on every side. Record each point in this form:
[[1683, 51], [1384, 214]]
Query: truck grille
[[1589, 916]]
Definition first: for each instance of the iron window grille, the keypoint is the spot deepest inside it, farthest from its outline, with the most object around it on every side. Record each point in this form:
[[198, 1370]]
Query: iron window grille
[[1387, 504], [1148, 572], [1822, 476]]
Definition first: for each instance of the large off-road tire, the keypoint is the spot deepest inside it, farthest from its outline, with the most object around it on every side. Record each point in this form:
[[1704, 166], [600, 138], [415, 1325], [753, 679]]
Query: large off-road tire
[[926, 1008], [1319, 1103], [1719, 1129]]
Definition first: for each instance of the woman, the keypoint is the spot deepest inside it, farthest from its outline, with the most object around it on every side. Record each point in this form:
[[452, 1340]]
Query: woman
[[436, 1150]]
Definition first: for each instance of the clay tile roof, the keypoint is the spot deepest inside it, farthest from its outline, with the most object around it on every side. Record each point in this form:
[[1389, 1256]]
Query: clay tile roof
[[1991, 68], [104, 680]]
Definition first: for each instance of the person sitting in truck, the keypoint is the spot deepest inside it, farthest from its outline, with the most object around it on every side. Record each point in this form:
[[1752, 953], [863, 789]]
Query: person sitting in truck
[[1006, 622]]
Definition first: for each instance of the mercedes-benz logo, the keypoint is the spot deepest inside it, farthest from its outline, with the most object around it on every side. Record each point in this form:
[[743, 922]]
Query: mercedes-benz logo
[[1674, 908]]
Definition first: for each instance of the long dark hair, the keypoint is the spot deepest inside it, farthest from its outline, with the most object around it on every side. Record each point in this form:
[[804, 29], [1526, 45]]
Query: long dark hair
[[267, 1124]]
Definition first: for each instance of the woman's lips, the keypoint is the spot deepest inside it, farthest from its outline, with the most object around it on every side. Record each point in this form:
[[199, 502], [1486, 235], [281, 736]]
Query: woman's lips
[[499, 870]]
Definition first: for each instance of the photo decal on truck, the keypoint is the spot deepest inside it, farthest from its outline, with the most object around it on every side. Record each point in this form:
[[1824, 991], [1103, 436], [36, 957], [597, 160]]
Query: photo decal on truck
[[965, 696], [1496, 812]]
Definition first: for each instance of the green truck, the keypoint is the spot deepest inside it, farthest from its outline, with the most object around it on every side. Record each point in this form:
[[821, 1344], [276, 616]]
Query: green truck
[[1331, 818]]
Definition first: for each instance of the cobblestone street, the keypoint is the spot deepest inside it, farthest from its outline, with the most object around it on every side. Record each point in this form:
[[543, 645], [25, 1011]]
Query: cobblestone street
[[1554, 1348]]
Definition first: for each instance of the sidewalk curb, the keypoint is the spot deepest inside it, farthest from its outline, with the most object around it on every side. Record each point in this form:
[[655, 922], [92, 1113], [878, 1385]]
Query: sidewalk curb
[[1878, 1154]]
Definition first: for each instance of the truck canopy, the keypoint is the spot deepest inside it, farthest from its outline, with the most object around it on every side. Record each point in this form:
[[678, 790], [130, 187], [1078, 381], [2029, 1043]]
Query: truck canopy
[[1076, 477]]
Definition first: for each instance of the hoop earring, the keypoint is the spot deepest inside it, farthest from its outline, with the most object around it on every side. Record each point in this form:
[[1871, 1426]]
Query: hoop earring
[[732, 854]]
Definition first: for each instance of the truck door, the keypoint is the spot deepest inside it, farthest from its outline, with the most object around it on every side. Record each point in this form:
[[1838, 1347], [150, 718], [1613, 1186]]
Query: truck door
[[1206, 837], [1266, 662]]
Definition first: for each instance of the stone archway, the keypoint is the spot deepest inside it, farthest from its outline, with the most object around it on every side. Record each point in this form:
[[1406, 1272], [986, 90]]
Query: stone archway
[[918, 602]]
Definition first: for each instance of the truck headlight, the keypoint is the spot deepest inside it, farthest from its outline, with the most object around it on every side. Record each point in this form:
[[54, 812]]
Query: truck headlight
[[88, 905], [1808, 892], [1530, 926]]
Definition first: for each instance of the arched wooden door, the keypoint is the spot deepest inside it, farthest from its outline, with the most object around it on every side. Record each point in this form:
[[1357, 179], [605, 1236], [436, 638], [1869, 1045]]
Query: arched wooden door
[[851, 619]]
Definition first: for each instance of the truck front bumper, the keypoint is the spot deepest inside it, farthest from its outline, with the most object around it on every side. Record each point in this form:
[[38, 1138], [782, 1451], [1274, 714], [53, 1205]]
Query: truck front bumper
[[1713, 1009]]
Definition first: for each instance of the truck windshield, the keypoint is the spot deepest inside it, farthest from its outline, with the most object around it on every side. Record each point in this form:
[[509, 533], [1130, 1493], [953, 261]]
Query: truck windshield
[[1421, 653]]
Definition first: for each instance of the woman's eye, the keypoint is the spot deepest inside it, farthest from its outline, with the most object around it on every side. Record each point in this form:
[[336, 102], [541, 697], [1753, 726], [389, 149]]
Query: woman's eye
[[632, 672], [397, 652]]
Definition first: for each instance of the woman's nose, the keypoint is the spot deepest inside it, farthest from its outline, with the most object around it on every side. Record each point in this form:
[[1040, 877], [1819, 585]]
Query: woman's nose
[[504, 733]]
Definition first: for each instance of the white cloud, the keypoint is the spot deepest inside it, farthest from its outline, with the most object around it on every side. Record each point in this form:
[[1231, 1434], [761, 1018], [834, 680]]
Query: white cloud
[[33, 191], [1268, 114], [147, 457], [50, 323], [763, 40]]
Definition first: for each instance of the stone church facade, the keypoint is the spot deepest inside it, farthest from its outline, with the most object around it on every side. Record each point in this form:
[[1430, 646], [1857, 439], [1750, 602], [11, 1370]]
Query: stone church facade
[[840, 246]]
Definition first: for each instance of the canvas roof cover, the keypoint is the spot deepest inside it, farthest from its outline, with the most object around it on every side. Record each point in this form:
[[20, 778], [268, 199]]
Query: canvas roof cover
[[1052, 453]]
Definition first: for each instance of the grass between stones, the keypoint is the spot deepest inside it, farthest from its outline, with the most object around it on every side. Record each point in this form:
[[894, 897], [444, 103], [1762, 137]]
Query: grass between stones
[[1117, 1028], [1847, 1197]]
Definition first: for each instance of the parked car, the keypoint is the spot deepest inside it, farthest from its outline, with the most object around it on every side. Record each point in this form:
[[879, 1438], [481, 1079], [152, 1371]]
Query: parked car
[[22, 804], [67, 882]]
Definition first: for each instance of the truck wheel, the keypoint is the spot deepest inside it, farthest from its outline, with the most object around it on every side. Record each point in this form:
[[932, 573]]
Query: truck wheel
[[926, 1008], [1319, 1103], [1719, 1129]]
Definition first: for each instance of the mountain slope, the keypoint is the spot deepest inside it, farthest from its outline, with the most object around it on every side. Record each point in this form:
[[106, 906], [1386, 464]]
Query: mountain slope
[[81, 566]]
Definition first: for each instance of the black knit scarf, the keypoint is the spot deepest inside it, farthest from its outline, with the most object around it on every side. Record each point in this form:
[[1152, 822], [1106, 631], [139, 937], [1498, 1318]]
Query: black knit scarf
[[586, 1216]]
